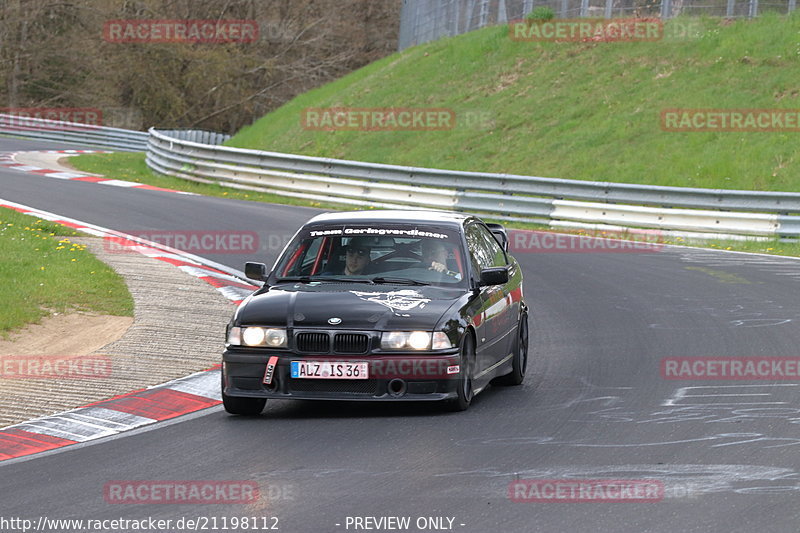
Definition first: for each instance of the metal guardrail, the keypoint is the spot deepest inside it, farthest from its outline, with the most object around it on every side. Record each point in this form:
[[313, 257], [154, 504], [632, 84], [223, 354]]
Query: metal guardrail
[[503, 196], [198, 155], [197, 136], [84, 134]]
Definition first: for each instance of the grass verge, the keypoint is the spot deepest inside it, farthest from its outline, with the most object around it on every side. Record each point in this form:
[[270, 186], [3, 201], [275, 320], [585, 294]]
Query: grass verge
[[771, 246], [579, 110], [42, 271]]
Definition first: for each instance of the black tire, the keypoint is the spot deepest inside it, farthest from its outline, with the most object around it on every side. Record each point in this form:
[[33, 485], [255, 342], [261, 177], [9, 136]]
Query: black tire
[[519, 362], [465, 391], [237, 405]]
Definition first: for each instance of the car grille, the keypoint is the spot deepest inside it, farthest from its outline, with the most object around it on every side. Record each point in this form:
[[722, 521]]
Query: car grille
[[313, 342], [350, 343], [337, 386], [343, 343]]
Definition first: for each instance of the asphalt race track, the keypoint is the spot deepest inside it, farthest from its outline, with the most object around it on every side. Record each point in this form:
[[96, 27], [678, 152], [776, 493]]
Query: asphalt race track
[[594, 404]]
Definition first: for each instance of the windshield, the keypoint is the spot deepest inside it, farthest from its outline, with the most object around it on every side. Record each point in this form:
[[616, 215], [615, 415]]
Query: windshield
[[387, 254]]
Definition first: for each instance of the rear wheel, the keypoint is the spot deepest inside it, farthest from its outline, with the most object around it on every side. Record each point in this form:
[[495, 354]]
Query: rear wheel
[[237, 405], [519, 362], [465, 391]]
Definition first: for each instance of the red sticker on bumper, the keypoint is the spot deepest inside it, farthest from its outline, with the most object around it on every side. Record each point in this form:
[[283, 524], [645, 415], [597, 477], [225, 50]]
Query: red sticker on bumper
[[270, 369]]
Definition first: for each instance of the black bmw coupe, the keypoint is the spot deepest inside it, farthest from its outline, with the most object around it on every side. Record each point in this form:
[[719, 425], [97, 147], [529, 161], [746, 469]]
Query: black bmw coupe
[[380, 306]]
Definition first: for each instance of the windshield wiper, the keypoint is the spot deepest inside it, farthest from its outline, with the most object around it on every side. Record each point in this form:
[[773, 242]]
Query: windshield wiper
[[398, 281], [310, 279]]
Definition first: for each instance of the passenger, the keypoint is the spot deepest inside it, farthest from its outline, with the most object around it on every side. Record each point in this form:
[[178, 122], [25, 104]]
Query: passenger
[[434, 255]]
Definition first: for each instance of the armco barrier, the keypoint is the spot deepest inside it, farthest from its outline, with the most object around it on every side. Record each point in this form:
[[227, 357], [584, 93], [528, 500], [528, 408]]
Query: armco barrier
[[199, 156], [83, 134], [504, 196]]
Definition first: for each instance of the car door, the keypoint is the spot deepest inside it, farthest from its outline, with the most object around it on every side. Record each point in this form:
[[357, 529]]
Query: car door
[[494, 320]]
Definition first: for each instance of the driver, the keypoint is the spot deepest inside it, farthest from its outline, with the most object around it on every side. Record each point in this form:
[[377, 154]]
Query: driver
[[357, 256]]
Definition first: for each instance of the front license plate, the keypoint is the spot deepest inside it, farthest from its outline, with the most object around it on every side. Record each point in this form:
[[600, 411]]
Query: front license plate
[[329, 370]]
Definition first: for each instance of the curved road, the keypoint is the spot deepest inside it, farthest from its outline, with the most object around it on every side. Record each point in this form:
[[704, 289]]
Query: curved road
[[594, 405]]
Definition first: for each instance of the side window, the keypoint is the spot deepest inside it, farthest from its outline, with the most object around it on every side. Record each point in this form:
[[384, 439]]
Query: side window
[[301, 257], [479, 252], [312, 251], [498, 256]]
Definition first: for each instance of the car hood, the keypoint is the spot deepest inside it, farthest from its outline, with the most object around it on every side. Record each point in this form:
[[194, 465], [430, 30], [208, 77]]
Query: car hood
[[359, 306]]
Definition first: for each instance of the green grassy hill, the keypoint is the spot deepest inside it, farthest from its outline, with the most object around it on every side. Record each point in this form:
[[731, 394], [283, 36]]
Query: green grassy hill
[[571, 110]]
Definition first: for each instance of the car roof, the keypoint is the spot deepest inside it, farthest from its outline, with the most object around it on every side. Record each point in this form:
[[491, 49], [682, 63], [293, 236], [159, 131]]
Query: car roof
[[443, 218]]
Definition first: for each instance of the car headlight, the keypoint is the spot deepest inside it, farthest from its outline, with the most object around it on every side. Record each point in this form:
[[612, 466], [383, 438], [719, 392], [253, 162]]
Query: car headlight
[[415, 340], [441, 341], [234, 336], [257, 336]]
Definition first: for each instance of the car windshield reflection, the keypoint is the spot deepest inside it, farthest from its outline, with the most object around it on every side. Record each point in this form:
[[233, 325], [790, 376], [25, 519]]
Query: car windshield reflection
[[319, 256]]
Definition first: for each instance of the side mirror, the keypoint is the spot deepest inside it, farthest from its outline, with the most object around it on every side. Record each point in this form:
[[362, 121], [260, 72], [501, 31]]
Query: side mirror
[[257, 271], [494, 276], [500, 234]]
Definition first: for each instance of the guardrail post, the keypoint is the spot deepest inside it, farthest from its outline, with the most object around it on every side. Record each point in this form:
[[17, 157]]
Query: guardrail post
[[502, 12], [666, 9], [484, 14], [527, 7], [609, 8]]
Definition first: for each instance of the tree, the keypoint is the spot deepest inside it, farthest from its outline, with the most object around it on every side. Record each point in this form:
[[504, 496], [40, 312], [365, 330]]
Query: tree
[[55, 54]]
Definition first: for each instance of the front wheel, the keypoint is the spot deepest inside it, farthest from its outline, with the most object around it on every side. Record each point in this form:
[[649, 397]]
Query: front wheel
[[465, 391], [237, 405], [519, 362]]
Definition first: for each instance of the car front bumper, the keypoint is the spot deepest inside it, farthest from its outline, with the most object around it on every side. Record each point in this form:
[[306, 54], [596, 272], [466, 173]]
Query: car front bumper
[[401, 377]]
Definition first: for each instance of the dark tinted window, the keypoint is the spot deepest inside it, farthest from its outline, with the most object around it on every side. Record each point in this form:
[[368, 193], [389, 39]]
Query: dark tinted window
[[421, 253], [494, 249], [483, 248]]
